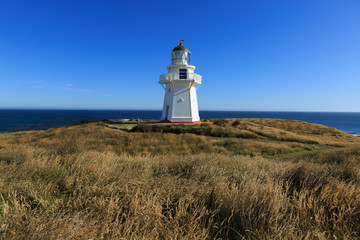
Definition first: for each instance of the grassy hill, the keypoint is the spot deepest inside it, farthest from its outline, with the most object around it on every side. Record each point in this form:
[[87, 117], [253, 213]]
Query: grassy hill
[[220, 179]]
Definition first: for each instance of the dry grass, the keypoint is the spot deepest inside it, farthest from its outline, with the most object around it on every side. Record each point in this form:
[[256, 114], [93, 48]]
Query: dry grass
[[270, 129], [100, 137], [92, 182]]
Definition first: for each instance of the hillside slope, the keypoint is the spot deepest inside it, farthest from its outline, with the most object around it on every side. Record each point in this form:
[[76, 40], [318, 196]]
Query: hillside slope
[[222, 179]]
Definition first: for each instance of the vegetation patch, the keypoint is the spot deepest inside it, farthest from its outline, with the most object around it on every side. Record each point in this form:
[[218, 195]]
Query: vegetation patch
[[183, 181]]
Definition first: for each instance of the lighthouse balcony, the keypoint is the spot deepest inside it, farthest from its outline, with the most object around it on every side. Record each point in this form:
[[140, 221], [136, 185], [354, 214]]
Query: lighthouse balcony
[[191, 77]]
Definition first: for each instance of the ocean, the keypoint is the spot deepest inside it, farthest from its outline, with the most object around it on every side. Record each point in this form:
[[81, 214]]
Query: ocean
[[25, 120]]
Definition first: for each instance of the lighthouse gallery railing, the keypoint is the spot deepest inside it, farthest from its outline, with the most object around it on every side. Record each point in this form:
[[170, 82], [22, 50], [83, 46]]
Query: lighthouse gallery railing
[[174, 77]]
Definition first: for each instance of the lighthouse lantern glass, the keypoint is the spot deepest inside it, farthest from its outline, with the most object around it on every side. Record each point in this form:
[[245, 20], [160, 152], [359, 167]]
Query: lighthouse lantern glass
[[180, 58]]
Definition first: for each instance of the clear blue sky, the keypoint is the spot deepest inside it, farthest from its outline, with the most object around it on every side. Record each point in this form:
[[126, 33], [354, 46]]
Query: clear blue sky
[[265, 55]]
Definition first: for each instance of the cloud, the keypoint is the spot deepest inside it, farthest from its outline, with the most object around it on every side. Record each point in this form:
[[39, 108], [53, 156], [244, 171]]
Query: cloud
[[66, 87], [35, 82], [70, 88]]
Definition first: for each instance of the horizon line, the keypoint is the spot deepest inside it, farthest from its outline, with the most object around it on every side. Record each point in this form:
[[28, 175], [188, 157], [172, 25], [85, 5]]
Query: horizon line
[[112, 109]]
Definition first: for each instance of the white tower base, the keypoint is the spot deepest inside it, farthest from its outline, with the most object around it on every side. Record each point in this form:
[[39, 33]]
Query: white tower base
[[180, 103]]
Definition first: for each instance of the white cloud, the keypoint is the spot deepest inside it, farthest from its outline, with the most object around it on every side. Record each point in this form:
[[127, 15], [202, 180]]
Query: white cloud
[[66, 87], [70, 88], [35, 82]]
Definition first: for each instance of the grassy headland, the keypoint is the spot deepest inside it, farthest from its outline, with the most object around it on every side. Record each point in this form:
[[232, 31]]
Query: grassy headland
[[221, 179]]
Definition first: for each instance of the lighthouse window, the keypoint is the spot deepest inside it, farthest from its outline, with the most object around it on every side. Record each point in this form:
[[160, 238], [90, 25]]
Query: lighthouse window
[[183, 73]]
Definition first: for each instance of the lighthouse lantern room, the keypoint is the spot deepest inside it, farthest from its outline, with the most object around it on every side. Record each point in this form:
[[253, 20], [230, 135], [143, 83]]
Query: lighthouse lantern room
[[180, 84]]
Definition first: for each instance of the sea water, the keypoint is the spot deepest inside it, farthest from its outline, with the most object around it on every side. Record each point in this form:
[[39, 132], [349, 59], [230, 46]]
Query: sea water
[[24, 120]]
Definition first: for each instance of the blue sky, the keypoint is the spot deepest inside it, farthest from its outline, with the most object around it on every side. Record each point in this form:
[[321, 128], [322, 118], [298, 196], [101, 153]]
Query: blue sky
[[253, 55]]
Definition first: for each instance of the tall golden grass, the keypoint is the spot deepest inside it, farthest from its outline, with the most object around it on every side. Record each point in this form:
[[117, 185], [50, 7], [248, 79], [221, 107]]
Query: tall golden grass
[[88, 182]]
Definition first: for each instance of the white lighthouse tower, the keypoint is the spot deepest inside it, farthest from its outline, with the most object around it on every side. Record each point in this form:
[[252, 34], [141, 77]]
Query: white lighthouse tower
[[180, 84]]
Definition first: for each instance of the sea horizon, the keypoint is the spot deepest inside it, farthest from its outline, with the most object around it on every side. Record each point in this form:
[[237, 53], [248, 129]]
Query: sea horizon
[[14, 120], [112, 109]]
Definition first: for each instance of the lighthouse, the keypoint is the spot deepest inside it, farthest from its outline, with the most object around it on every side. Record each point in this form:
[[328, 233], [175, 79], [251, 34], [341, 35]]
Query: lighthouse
[[180, 85]]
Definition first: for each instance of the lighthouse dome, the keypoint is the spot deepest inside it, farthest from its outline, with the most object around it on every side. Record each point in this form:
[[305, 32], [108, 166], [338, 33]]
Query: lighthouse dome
[[181, 47], [180, 55]]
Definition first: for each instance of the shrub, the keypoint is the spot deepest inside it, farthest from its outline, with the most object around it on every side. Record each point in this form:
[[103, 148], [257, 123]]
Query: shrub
[[235, 123], [220, 122]]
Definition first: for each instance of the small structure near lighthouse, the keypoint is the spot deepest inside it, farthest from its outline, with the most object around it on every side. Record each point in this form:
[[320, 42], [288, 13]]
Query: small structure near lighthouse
[[180, 84]]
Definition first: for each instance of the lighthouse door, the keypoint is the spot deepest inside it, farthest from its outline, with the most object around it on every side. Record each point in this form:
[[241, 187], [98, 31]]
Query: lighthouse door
[[167, 112]]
